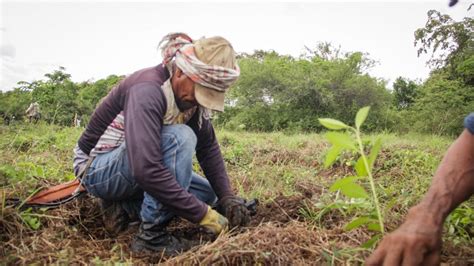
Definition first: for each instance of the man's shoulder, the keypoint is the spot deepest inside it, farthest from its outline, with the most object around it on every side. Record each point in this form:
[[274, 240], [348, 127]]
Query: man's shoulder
[[469, 123], [156, 74]]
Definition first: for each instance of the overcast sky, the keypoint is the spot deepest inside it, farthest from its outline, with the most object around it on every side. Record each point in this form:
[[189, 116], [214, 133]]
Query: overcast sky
[[95, 39]]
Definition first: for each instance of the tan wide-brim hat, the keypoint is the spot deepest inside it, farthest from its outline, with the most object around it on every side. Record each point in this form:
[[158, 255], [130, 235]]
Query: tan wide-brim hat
[[215, 51]]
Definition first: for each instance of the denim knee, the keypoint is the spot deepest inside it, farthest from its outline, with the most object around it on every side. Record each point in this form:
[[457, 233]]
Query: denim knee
[[109, 176], [183, 134]]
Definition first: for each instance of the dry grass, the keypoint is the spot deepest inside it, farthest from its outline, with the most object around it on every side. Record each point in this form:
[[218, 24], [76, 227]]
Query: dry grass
[[284, 172], [269, 244], [278, 234]]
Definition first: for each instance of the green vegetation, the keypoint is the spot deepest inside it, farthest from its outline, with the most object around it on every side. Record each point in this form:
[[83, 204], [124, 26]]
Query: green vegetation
[[59, 98], [286, 172]]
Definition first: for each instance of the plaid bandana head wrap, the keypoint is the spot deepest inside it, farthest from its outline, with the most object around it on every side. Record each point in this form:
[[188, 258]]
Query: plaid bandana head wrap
[[180, 47]]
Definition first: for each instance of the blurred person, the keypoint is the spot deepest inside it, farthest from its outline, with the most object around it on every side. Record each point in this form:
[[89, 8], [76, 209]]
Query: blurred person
[[33, 112]]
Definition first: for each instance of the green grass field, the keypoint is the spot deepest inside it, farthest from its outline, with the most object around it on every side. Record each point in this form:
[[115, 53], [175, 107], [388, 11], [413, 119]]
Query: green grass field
[[298, 219]]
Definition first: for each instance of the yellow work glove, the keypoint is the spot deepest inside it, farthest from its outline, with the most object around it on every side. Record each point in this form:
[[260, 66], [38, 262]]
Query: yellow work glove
[[213, 222]]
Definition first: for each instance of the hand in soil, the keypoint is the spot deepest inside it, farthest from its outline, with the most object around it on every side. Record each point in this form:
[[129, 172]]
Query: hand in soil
[[234, 209], [416, 242]]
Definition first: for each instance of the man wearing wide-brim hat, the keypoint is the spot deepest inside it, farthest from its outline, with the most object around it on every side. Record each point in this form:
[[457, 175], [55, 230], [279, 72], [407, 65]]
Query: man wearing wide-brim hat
[[137, 149]]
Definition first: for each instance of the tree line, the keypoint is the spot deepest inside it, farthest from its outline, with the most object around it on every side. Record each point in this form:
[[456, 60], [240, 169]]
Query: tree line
[[280, 92], [60, 99]]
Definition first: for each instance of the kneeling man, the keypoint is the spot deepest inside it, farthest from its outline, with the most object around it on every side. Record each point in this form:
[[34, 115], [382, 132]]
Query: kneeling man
[[136, 152]]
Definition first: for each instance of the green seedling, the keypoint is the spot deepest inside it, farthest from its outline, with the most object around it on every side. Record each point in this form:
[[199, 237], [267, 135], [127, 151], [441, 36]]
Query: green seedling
[[343, 141]]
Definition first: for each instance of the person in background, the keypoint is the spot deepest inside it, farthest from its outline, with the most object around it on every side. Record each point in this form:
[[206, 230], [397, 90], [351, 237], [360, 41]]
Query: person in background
[[33, 112]]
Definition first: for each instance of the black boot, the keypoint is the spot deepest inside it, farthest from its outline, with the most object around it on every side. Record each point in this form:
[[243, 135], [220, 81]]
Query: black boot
[[155, 239]]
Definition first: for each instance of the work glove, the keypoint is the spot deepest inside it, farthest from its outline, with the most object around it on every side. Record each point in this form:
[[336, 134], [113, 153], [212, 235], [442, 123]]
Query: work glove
[[214, 222], [234, 209]]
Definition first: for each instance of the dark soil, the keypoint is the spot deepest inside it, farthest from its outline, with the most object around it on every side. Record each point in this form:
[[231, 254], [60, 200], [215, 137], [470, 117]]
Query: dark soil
[[280, 210]]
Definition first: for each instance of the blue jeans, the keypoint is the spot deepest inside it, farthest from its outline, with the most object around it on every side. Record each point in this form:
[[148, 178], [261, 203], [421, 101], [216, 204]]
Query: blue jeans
[[109, 177]]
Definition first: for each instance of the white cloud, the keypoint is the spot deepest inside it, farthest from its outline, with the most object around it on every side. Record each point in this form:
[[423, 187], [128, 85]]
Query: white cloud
[[12, 72]]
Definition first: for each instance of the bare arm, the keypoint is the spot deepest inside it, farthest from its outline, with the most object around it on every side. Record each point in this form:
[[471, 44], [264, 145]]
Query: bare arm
[[453, 182], [418, 240]]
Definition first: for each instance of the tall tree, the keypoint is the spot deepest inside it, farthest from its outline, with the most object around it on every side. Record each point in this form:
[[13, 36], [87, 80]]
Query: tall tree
[[451, 44], [447, 96], [404, 92]]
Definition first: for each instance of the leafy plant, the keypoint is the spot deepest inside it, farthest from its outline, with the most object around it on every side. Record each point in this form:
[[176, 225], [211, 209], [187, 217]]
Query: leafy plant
[[348, 186], [30, 219], [460, 223]]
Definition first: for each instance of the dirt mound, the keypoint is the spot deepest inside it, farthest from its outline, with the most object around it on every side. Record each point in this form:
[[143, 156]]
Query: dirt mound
[[280, 210]]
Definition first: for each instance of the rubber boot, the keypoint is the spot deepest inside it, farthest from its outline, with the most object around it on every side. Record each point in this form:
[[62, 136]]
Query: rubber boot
[[156, 239]]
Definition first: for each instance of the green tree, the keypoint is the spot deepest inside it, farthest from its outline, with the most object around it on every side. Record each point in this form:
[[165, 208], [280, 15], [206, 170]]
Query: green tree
[[13, 104], [57, 97], [442, 105], [278, 92], [90, 93], [448, 94], [450, 43], [404, 92]]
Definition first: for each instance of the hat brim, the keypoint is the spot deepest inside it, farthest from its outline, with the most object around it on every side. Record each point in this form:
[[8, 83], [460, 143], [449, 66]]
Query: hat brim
[[209, 98]]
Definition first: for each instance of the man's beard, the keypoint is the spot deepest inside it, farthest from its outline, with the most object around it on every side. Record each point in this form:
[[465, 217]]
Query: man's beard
[[183, 105]]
